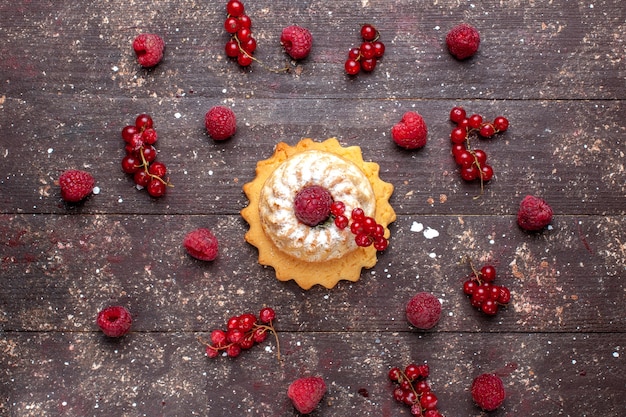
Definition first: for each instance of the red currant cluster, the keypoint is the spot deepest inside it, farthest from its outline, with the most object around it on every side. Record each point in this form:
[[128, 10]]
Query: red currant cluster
[[241, 44], [365, 229], [242, 333], [140, 160], [413, 390], [484, 294], [367, 55], [473, 162]]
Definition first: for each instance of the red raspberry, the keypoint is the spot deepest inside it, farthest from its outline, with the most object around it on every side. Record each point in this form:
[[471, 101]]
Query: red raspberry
[[423, 310], [463, 41], [149, 49], [75, 185], [306, 393], [312, 205], [114, 321], [488, 391], [534, 213], [220, 122], [201, 244], [411, 132], [297, 41]]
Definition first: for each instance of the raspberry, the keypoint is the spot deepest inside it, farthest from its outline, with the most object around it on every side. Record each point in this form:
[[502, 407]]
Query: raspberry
[[201, 244], [423, 310], [297, 41], [534, 213], [410, 132], [306, 393], [114, 321], [220, 122], [312, 205], [75, 185], [463, 41], [149, 49], [488, 391]]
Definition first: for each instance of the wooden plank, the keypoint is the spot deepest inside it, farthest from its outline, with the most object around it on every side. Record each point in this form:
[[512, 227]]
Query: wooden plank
[[577, 164], [555, 51], [60, 270], [168, 374]]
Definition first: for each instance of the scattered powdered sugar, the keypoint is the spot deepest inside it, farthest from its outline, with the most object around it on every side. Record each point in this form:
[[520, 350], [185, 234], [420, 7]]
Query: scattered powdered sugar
[[417, 227], [430, 233], [96, 190]]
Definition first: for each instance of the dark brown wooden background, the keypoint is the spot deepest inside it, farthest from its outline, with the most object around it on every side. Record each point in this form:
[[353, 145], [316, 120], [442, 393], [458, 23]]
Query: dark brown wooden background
[[70, 82]]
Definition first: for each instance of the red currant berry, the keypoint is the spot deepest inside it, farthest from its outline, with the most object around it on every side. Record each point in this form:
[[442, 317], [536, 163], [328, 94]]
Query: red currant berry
[[394, 374], [244, 59], [489, 307], [464, 124], [379, 49], [422, 387], [233, 323], [363, 240], [368, 32], [249, 46], [246, 343], [142, 178], [245, 21], [486, 172], [354, 53], [149, 153], [367, 50], [247, 322], [212, 352], [475, 120], [341, 221], [368, 64], [337, 208], [480, 157], [243, 34], [469, 286], [464, 159], [428, 401], [412, 372], [218, 337], [380, 243], [410, 397], [352, 67], [457, 114], [358, 214], [158, 168], [143, 122], [457, 148], [458, 135], [128, 132], [234, 8], [231, 49], [234, 335], [469, 173], [130, 164], [259, 335], [266, 315], [149, 136], [494, 292], [487, 130], [233, 351], [231, 25], [500, 124], [488, 273], [505, 296], [480, 294], [398, 394], [156, 187]]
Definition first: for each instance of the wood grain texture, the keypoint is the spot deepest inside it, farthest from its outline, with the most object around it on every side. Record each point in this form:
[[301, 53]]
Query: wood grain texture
[[70, 83]]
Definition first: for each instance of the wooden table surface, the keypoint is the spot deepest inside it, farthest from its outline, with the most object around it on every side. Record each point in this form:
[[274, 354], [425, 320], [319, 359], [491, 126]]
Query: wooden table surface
[[70, 82]]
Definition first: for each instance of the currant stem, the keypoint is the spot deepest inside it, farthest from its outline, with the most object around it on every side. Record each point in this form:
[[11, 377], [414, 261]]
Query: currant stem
[[145, 164]]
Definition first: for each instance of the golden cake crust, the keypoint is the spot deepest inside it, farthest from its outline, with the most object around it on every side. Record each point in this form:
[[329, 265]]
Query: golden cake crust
[[306, 272]]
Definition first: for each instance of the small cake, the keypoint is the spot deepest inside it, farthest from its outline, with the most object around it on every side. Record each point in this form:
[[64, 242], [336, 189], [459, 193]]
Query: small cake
[[322, 253]]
